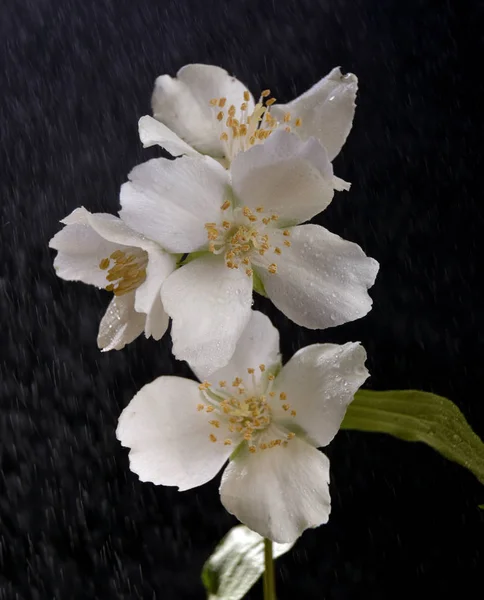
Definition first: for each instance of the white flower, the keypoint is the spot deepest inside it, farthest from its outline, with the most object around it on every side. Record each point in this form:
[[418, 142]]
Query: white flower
[[204, 109], [267, 421], [241, 223], [101, 250]]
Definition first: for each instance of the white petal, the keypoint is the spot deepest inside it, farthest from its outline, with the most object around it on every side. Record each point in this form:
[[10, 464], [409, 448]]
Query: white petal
[[340, 185], [319, 382], [285, 175], [121, 324], [258, 344], [183, 104], [156, 320], [169, 437], [152, 132], [278, 492], [160, 266], [210, 307], [327, 110], [321, 280], [169, 201], [80, 250]]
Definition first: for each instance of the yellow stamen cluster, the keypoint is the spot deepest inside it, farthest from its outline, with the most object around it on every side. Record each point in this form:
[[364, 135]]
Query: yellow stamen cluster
[[243, 238], [239, 134], [127, 273], [244, 411]]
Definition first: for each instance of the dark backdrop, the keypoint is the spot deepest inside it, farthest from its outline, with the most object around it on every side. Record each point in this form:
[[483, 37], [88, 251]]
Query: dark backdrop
[[75, 77]]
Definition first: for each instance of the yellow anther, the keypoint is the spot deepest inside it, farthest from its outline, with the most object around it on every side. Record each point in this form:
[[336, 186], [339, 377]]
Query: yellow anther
[[204, 385], [265, 93], [266, 220], [298, 122], [252, 449], [117, 254], [293, 413], [210, 409], [252, 140], [231, 110], [291, 435], [227, 442], [222, 383], [250, 371], [263, 446], [246, 96], [259, 209], [277, 250], [225, 205], [224, 137], [286, 232], [110, 287], [214, 423], [288, 129], [272, 268], [247, 436], [270, 102], [243, 106], [271, 377], [104, 264], [283, 396], [246, 211], [222, 102], [214, 101], [200, 407], [249, 272], [262, 368], [220, 115], [226, 224], [243, 129], [272, 394], [237, 381], [287, 243], [212, 438], [274, 217], [287, 117]]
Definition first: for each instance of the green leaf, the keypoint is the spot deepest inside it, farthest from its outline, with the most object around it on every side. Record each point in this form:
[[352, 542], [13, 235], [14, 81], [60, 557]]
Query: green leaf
[[236, 564], [416, 416]]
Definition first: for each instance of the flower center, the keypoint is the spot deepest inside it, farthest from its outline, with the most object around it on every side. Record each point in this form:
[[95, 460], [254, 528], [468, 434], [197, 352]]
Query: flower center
[[244, 239], [125, 272], [238, 135], [245, 409]]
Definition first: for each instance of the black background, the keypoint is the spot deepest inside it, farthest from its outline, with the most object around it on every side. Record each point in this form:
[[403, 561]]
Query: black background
[[75, 78]]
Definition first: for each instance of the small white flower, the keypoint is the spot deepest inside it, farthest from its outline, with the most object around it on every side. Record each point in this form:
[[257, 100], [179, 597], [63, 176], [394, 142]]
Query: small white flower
[[204, 109], [101, 250], [241, 222], [266, 420]]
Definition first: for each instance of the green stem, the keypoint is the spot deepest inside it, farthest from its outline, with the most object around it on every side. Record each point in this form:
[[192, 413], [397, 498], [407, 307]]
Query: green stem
[[269, 576]]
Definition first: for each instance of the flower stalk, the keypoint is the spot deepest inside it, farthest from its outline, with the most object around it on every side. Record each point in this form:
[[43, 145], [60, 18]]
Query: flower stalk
[[269, 575]]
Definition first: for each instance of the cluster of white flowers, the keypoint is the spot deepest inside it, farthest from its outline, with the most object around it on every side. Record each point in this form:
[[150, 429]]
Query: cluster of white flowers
[[194, 238]]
